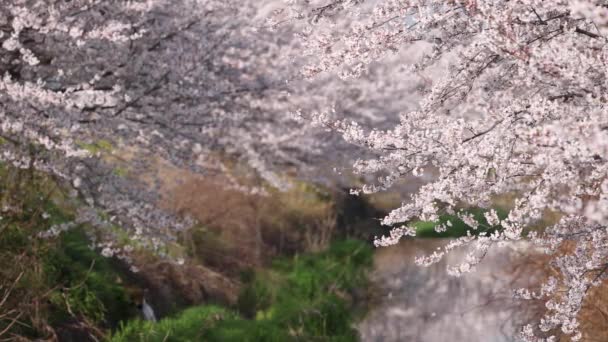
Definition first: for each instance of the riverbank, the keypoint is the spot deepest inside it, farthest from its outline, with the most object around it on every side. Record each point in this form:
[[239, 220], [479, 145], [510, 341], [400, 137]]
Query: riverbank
[[306, 297], [286, 266]]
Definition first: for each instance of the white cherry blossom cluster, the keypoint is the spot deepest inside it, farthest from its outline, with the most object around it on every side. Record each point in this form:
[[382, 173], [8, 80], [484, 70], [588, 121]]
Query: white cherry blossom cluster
[[84, 83], [178, 80], [512, 101]]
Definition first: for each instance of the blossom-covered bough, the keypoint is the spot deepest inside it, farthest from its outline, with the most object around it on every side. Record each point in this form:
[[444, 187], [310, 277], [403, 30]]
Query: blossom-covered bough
[[88, 81], [513, 101], [94, 92]]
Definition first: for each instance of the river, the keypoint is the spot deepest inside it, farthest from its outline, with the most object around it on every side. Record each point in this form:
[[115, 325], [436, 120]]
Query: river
[[425, 304]]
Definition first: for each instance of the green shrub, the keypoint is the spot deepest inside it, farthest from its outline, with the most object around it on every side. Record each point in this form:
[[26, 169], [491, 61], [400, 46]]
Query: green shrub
[[315, 299], [91, 284], [60, 278]]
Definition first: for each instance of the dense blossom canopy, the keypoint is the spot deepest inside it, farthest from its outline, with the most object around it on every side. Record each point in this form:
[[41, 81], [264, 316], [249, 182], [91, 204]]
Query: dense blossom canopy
[[90, 86], [513, 101], [181, 80]]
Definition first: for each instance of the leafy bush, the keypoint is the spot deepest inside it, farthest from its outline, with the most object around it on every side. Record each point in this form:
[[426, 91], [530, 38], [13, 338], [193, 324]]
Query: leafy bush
[[91, 284], [53, 280], [316, 298]]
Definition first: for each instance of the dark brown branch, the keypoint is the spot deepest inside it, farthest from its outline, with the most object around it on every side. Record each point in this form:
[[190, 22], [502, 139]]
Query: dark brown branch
[[587, 33], [483, 132]]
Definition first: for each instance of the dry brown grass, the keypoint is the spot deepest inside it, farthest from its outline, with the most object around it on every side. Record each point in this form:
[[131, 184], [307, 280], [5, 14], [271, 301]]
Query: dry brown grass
[[229, 233], [594, 314], [239, 229], [302, 218]]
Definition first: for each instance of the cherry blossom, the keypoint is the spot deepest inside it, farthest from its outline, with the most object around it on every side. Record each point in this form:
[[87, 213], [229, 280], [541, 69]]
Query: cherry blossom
[[512, 101], [84, 83]]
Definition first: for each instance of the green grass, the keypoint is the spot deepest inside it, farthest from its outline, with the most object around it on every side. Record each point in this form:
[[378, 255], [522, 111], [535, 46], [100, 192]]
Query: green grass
[[61, 278], [426, 229], [190, 325], [305, 298]]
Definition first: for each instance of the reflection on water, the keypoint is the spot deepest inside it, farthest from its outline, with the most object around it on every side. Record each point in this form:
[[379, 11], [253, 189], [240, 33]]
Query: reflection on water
[[426, 304]]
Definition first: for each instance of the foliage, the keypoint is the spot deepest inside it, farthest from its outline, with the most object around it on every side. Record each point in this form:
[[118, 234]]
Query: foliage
[[56, 276], [303, 298], [456, 227], [307, 296], [187, 326], [91, 285], [26, 210]]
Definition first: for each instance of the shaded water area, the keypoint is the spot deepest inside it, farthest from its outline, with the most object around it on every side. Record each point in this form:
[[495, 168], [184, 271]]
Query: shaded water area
[[426, 304]]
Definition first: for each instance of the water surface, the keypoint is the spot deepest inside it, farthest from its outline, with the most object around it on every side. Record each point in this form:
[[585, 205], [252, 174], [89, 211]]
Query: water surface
[[426, 304]]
